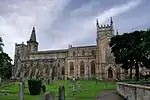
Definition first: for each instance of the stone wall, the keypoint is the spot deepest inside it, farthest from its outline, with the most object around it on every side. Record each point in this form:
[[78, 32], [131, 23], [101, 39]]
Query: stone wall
[[133, 92]]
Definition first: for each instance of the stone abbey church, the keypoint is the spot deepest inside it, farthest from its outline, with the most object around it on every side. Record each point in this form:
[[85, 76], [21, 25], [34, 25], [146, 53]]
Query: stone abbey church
[[84, 62]]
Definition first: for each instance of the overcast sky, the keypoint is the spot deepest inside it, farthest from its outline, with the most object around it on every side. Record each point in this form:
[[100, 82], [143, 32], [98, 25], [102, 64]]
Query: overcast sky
[[59, 23]]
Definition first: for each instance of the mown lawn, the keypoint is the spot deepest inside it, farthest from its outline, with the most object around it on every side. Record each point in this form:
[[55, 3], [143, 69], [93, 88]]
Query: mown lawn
[[89, 90]]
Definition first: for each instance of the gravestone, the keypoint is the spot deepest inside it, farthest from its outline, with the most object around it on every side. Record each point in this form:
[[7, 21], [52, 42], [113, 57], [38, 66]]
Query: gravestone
[[79, 86], [49, 96], [21, 91], [48, 81], [0, 80], [74, 86], [61, 95], [96, 80], [63, 92]]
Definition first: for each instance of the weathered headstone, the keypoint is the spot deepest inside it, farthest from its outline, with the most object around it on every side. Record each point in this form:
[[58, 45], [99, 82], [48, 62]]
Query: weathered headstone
[[96, 80], [61, 95], [49, 96], [0, 79], [21, 91], [79, 86], [48, 81], [74, 86], [63, 92]]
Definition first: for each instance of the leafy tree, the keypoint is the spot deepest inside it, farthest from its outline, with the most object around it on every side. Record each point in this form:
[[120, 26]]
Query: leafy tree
[[5, 63], [128, 50], [1, 44], [5, 66]]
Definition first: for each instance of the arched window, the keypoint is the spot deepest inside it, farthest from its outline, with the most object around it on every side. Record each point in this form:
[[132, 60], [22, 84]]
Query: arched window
[[110, 73], [74, 53], [71, 68], [82, 69], [83, 53], [63, 70], [93, 52], [93, 68]]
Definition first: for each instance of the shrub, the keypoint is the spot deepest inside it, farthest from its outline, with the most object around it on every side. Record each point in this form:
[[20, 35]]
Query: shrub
[[93, 77], [34, 86], [43, 88]]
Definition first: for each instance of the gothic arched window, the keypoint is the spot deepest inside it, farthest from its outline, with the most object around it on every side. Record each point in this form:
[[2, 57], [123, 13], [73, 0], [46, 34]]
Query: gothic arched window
[[63, 70], [93, 52], [93, 68], [71, 68], [81, 68], [83, 53], [74, 53]]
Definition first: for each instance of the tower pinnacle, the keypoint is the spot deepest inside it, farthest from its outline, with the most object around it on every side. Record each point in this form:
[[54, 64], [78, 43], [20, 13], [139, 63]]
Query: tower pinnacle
[[97, 23], [117, 32], [111, 21], [33, 36]]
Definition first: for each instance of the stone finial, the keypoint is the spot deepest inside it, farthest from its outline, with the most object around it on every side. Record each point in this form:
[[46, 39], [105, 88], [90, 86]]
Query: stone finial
[[97, 23], [111, 21], [117, 32], [33, 36], [107, 25]]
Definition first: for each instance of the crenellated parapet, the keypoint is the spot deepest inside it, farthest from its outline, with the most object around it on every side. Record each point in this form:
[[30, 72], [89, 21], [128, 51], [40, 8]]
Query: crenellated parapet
[[104, 30]]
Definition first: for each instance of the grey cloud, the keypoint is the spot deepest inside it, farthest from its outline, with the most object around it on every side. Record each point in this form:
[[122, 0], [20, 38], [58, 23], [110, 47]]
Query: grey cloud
[[57, 26]]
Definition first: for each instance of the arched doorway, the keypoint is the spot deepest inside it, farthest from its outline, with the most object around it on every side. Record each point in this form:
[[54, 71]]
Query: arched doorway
[[71, 68], [110, 73], [82, 69], [93, 68]]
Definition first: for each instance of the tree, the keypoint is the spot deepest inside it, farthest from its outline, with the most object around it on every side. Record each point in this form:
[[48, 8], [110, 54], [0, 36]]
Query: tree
[[5, 63], [1, 44], [5, 66], [128, 50]]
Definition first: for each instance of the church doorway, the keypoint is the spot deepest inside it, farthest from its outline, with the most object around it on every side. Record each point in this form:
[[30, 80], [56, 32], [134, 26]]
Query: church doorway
[[110, 73]]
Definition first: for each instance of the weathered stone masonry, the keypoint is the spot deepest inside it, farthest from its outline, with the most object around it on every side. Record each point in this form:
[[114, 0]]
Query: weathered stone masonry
[[83, 61]]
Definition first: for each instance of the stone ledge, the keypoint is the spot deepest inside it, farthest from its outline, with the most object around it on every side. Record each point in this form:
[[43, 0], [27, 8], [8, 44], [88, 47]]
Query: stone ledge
[[134, 85], [133, 92]]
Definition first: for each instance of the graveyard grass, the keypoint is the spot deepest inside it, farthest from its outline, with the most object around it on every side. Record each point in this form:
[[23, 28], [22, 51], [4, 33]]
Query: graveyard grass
[[88, 90]]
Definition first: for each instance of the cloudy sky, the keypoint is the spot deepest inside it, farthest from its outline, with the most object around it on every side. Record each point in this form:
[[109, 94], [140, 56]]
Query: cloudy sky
[[62, 22]]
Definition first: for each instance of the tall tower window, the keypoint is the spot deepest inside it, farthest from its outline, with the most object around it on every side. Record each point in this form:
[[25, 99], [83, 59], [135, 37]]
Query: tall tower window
[[93, 52], [74, 53], [83, 53]]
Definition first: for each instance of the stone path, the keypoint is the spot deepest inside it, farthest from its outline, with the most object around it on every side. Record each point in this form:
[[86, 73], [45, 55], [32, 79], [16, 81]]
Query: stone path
[[109, 95]]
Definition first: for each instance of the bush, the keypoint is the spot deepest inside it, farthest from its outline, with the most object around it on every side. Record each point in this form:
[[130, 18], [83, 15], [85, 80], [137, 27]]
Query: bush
[[34, 86], [43, 88], [93, 78]]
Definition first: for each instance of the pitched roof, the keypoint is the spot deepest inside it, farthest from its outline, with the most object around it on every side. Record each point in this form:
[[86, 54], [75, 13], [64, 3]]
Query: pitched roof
[[50, 51]]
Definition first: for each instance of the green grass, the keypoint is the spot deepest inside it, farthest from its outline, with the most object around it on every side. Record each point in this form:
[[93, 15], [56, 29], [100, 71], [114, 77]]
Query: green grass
[[89, 90]]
